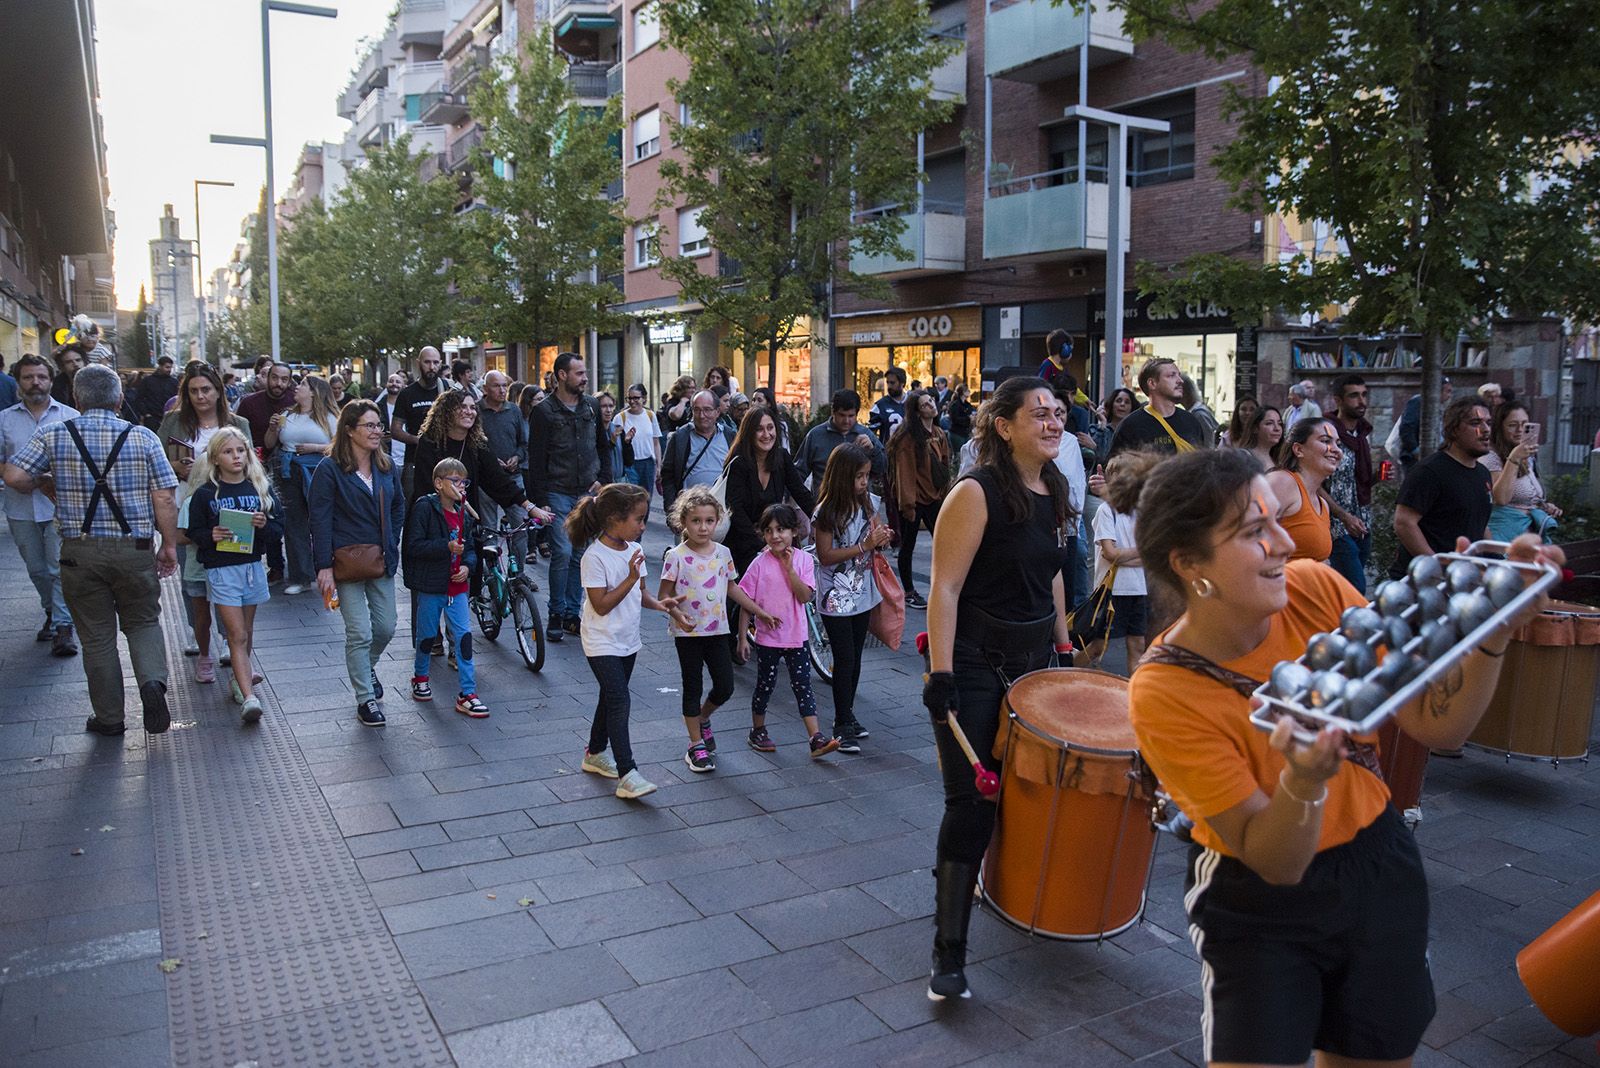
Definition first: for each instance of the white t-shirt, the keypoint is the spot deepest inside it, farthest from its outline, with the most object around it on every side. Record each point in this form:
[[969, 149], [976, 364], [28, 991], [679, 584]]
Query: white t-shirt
[[617, 632], [1069, 461], [1111, 525], [644, 430]]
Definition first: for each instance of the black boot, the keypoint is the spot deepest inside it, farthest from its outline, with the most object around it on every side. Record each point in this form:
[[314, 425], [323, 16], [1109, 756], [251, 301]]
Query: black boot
[[951, 911]]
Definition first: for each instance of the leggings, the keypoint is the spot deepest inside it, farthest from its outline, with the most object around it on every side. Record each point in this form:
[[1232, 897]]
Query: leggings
[[848, 636], [926, 515], [707, 653], [767, 661]]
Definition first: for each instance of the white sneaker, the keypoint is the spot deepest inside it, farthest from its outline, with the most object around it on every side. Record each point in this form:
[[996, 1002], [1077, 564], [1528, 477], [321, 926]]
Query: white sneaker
[[600, 764], [251, 712], [634, 785], [294, 588]]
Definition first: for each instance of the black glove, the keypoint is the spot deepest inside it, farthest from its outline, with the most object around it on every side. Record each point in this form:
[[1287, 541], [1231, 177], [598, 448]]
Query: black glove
[[940, 696]]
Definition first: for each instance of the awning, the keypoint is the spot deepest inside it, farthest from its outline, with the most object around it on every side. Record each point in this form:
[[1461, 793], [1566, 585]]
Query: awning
[[586, 22]]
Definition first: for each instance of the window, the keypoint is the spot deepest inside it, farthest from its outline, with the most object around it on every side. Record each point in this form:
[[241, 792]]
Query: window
[[647, 134], [685, 117], [1156, 158], [1062, 153], [646, 246], [646, 26], [692, 237]]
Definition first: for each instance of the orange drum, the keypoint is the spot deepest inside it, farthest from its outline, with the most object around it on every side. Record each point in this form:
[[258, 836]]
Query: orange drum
[[1072, 849], [1543, 708]]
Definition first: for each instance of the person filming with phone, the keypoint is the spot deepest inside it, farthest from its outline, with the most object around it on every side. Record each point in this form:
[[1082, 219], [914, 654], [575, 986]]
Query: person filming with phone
[[1518, 495]]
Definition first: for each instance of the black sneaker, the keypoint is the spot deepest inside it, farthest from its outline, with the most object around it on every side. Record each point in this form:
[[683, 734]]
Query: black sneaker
[[698, 759], [153, 695], [46, 632], [848, 745], [914, 600], [109, 730], [571, 624], [852, 728], [377, 687], [554, 633], [369, 714]]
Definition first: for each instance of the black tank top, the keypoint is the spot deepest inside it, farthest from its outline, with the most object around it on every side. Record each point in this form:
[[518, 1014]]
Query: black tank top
[[1016, 563]]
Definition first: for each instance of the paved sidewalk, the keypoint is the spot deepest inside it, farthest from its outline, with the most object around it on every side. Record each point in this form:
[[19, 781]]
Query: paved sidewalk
[[453, 891]]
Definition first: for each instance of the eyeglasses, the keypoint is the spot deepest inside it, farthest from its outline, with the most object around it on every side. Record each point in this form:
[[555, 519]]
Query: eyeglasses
[[458, 483], [703, 410], [369, 426]]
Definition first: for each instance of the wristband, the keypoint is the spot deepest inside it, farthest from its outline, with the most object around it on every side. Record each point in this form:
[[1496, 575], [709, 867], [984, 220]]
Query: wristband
[[1306, 807], [1064, 647]]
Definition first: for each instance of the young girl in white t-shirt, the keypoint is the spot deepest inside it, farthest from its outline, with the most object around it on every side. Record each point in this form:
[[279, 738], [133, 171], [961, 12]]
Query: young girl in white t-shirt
[[1115, 547], [700, 574], [613, 573]]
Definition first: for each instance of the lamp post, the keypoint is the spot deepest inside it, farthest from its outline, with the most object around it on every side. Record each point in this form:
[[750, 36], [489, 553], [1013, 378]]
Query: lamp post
[[1117, 127], [271, 221], [199, 264]]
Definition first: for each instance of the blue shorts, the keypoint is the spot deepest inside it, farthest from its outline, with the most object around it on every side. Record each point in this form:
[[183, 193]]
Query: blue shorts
[[237, 584]]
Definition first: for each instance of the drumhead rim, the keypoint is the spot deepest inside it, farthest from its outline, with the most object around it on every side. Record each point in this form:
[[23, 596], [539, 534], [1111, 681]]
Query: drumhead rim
[[1071, 747]]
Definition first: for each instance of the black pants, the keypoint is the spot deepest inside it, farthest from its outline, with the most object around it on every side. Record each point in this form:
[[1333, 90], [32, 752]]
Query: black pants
[[610, 726], [848, 636], [926, 515], [696, 655]]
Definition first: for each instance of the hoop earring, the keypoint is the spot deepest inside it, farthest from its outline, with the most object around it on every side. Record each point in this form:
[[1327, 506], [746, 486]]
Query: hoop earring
[[1203, 587]]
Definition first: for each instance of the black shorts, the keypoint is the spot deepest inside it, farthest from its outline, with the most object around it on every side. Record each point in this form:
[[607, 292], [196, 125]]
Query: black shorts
[[1127, 615], [1338, 962]]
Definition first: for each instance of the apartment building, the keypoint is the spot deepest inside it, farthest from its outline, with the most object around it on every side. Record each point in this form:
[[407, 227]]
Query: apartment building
[[385, 97], [177, 312]]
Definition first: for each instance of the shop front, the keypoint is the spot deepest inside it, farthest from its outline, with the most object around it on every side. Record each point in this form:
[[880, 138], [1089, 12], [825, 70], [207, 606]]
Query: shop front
[[794, 387], [1200, 336], [925, 344], [669, 354]]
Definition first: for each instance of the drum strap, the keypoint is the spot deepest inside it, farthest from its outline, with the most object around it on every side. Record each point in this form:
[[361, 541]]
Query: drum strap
[[1361, 754]]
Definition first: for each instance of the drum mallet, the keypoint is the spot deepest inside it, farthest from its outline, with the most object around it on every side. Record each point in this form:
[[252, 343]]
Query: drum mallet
[[986, 781]]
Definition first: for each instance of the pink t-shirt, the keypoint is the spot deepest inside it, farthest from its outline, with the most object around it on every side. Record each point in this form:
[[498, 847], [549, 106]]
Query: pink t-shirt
[[764, 581]]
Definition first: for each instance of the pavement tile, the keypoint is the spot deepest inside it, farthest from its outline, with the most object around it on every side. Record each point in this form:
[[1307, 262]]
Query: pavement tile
[[1513, 886], [1527, 1029], [368, 845], [543, 839], [1151, 1025], [724, 1050], [814, 918], [577, 1036], [149, 1046], [641, 820], [484, 826], [457, 908], [465, 803], [689, 862], [783, 1040], [802, 978], [528, 867], [460, 946], [1478, 1050], [1454, 1017], [1072, 1048], [850, 864], [955, 1034], [418, 887], [387, 866], [523, 986], [653, 1016], [455, 854], [643, 847], [738, 888], [613, 915], [499, 773], [685, 948], [909, 894], [585, 882]]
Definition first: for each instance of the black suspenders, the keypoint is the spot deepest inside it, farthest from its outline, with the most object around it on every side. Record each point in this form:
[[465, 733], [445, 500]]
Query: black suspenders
[[102, 488]]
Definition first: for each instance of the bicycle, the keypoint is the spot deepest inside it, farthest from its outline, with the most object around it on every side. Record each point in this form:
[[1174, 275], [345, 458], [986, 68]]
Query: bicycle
[[819, 648], [509, 591]]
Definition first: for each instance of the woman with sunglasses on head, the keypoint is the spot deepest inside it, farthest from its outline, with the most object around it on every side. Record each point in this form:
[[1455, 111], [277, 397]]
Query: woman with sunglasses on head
[[451, 429], [1306, 897], [636, 425]]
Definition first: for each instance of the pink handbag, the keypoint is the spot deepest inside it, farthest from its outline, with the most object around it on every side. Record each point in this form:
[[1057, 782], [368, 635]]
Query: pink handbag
[[888, 620]]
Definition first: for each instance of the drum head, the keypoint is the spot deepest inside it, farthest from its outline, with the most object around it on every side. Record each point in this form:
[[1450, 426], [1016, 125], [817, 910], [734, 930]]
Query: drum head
[[1084, 708]]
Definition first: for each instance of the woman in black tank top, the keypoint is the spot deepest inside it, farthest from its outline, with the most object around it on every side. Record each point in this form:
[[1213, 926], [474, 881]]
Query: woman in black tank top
[[1001, 527]]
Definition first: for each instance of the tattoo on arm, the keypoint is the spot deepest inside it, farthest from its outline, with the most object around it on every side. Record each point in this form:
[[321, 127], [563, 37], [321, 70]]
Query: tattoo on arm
[[1440, 692]]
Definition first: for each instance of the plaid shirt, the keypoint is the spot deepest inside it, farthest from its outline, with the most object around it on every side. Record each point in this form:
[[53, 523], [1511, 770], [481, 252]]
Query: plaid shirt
[[17, 427], [141, 468]]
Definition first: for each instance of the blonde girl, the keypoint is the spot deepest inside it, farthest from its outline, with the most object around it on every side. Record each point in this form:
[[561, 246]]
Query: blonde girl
[[228, 477], [699, 574]]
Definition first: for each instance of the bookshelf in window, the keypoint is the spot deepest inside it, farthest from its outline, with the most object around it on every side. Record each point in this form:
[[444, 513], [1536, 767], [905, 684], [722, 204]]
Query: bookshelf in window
[[1397, 352]]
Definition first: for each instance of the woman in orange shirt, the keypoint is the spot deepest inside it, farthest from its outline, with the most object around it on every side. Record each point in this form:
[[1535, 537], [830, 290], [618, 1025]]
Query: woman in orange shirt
[[1310, 453], [1305, 893]]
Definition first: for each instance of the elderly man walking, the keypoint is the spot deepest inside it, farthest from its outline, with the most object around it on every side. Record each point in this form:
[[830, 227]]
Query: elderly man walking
[[31, 516], [113, 490], [695, 454]]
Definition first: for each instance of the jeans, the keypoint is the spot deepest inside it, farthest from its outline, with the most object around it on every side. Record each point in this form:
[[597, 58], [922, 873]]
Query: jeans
[[642, 473], [40, 548], [848, 636], [1078, 589], [1350, 557], [610, 727], [566, 560], [290, 489], [109, 583], [495, 516], [925, 516], [429, 605], [697, 655], [368, 612]]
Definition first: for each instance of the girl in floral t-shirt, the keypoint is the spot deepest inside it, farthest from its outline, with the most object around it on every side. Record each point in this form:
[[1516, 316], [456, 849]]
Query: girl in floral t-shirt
[[699, 572]]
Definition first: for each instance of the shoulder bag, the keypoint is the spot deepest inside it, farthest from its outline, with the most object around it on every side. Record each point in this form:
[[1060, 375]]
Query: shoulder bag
[[363, 563]]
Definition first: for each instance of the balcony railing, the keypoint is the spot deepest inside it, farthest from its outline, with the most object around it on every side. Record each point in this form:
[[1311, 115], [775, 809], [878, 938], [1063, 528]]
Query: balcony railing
[[1044, 216], [935, 239], [1037, 41], [443, 107], [588, 80], [561, 10], [728, 267], [614, 80], [950, 77], [460, 151], [468, 68], [613, 189], [430, 166]]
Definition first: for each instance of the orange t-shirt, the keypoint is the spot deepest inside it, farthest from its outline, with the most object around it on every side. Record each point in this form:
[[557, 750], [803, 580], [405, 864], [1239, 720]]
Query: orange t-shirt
[[1196, 733], [1311, 530]]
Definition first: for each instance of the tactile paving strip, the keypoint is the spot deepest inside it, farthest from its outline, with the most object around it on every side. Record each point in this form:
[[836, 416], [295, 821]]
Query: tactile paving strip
[[284, 958]]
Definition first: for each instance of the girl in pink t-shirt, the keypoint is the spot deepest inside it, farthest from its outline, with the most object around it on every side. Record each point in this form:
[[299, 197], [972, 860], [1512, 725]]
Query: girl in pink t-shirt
[[782, 580]]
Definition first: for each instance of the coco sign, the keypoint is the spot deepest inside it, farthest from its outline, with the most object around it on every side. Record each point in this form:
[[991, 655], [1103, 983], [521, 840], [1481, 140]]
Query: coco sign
[[930, 326]]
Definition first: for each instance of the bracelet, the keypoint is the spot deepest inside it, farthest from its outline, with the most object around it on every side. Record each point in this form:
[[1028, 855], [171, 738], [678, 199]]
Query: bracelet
[[1306, 807], [1486, 652]]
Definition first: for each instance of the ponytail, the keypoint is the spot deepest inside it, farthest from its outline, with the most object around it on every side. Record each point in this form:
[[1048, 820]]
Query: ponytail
[[591, 515]]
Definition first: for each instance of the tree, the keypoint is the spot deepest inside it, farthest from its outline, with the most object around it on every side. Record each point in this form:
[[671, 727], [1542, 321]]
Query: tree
[[1448, 145], [139, 348], [525, 265], [803, 112]]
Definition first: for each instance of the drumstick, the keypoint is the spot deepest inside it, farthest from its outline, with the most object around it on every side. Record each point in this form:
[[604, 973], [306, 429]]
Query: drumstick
[[986, 781]]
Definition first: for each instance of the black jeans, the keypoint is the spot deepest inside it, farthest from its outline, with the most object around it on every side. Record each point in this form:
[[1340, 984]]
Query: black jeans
[[611, 710], [926, 515], [848, 636], [696, 655]]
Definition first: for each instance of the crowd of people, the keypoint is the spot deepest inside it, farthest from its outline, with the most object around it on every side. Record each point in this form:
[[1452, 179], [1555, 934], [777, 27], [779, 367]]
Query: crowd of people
[[1217, 551]]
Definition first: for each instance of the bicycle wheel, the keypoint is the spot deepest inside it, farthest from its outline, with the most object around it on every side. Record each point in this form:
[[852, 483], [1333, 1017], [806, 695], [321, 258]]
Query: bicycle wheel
[[820, 647], [530, 627], [487, 607]]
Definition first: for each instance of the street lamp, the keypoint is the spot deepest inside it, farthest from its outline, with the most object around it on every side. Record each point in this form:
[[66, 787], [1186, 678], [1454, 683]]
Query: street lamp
[[199, 264], [1117, 127], [271, 221]]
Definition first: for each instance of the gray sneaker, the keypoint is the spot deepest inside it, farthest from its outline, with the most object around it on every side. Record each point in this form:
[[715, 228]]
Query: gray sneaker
[[251, 712], [634, 785], [600, 764]]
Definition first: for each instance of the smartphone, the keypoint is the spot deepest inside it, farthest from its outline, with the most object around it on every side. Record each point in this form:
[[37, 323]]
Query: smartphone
[[1530, 434]]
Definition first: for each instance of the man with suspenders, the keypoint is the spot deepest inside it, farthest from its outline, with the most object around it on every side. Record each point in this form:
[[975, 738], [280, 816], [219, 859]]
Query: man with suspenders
[[113, 489]]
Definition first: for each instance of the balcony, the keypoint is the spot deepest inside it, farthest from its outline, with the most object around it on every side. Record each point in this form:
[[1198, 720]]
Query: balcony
[[1042, 217], [935, 237], [421, 22], [430, 166], [464, 75], [563, 13], [1035, 41], [369, 119], [444, 108], [588, 80], [950, 77], [728, 267], [422, 77], [613, 189], [459, 153], [614, 80]]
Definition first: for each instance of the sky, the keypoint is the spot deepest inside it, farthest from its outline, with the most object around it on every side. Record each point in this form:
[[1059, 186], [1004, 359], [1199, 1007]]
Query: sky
[[173, 72]]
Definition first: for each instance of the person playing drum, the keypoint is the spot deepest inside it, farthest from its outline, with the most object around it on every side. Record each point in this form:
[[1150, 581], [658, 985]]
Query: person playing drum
[[1001, 526], [1305, 894]]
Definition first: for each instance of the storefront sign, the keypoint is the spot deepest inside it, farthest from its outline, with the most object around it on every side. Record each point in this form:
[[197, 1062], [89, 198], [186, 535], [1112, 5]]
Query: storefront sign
[[1198, 316], [867, 337], [929, 326], [671, 332], [919, 328], [1010, 324]]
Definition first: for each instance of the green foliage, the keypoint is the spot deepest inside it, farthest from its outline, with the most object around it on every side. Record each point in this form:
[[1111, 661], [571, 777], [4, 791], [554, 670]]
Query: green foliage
[[802, 112], [1578, 520], [524, 265], [1384, 542], [1437, 139]]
